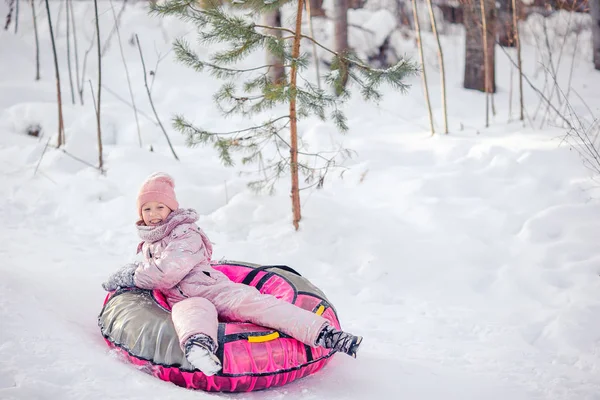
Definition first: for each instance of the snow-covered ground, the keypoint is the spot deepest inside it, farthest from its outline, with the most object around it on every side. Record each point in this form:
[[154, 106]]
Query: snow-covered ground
[[469, 262]]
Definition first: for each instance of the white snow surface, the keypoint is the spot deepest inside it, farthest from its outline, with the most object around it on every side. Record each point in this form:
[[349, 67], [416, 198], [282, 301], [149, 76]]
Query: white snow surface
[[469, 262]]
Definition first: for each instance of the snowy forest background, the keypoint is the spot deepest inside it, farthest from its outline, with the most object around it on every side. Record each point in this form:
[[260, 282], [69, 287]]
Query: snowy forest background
[[454, 228]]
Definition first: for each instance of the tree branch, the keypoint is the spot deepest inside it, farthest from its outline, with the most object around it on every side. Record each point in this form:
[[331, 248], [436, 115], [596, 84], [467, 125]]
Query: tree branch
[[190, 126], [135, 112], [143, 114], [137, 40], [358, 64]]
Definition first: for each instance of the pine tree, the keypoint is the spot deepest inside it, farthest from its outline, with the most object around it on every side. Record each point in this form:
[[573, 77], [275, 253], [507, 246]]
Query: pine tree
[[235, 25]]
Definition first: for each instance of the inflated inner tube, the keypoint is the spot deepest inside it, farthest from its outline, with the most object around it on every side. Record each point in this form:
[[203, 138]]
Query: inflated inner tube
[[138, 324]]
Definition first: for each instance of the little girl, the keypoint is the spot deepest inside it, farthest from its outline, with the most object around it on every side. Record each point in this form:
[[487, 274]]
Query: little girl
[[177, 257]]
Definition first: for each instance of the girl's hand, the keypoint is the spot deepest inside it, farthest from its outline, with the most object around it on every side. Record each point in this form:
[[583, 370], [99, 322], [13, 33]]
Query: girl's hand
[[123, 278]]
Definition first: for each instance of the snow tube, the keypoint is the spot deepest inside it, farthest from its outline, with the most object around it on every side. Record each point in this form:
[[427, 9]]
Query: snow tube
[[138, 324]]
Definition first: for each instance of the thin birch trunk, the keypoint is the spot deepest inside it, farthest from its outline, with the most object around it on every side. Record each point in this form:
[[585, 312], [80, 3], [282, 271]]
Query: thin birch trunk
[[510, 92], [276, 72], [518, 44], [572, 68], [61, 129], [84, 66], [60, 10], [135, 112], [422, 57], [37, 42], [110, 35], [68, 14], [441, 60], [297, 215], [98, 103], [493, 103], [551, 70], [17, 16], [486, 66], [74, 27], [312, 35], [137, 40]]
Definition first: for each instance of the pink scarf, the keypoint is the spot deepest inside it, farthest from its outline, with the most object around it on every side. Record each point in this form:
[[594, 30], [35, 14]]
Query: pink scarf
[[155, 233]]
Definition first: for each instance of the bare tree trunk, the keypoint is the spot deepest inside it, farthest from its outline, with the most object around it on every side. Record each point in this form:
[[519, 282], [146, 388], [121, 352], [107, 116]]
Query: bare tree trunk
[[402, 14], [316, 8], [61, 129], [486, 62], [112, 32], [518, 44], [98, 103], [422, 57], [571, 69], [79, 82], [83, 67], [474, 57], [441, 60], [68, 14], [137, 40], [595, 13], [356, 4], [510, 92], [314, 45], [11, 8], [16, 16], [135, 112], [475, 60], [340, 29], [60, 10], [276, 72], [489, 8], [506, 27], [553, 69], [37, 42], [297, 215]]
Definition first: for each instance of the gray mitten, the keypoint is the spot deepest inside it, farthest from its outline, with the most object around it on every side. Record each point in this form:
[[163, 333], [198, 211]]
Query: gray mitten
[[123, 278]]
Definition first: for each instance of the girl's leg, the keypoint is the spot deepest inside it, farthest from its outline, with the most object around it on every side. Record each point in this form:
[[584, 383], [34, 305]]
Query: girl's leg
[[193, 316], [239, 302], [196, 324]]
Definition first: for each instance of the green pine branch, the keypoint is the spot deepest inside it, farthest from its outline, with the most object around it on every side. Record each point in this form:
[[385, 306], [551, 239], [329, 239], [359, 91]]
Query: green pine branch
[[248, 91]]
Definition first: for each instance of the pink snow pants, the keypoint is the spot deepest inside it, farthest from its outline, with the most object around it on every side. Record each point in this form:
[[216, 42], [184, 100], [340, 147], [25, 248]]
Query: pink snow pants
[[242, 303]]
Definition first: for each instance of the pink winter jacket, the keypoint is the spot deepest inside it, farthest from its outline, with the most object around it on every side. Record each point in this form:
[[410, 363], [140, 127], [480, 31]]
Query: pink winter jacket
[[176, 257]]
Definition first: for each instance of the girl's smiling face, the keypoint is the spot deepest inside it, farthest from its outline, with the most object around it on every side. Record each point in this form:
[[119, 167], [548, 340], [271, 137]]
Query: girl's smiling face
[[153, 213]]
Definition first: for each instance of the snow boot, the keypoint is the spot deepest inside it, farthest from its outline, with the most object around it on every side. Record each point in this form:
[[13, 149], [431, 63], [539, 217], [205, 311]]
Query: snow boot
[[331, 338], [200, 352]]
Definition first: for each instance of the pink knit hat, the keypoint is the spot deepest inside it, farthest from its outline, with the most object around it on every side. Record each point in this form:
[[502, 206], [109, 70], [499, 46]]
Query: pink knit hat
[[158, 187]]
